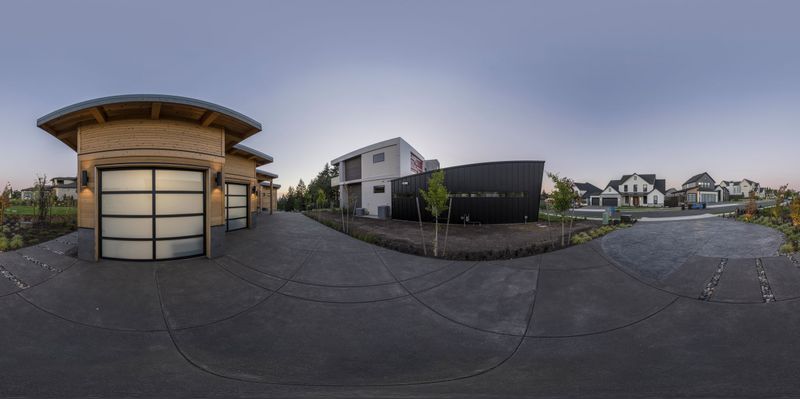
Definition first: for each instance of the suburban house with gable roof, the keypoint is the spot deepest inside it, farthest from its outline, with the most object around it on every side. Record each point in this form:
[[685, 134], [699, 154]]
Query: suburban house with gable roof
[[586, 190], [741, 188], [638, 190], [700, 188]]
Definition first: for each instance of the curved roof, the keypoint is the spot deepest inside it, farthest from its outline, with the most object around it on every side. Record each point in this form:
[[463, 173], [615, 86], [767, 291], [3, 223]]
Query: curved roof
[[247, 152], [63, 123]]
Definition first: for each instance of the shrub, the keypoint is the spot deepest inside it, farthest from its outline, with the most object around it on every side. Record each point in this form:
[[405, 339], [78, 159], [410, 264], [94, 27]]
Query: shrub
[[788, 248], [16, 242], [3, 243]]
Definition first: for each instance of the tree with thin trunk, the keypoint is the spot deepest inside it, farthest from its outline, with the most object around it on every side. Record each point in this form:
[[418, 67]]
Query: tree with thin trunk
[[435, 202], [752, 208], [563, 198], [5, 202], [795, 211], [780, 197]]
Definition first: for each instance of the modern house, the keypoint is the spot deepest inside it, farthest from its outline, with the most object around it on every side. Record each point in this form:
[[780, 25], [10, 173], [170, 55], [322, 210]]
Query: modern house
[[159, 177], [586, 190], [700, 188], [723, 195], [28, 194], [491, 192], [365, 174], [632, 190], [65, 187]]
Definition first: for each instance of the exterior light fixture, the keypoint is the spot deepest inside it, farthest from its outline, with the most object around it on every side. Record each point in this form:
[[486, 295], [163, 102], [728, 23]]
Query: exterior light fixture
[[218, 179], [84, 178], [254, 189]]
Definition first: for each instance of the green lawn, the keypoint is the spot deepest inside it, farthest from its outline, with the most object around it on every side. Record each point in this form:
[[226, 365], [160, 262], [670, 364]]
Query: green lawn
[[26, 210]]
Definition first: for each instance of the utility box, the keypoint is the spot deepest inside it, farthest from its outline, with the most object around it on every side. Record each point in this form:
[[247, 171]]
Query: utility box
[[361, 212], [384, 212], [605, 218]]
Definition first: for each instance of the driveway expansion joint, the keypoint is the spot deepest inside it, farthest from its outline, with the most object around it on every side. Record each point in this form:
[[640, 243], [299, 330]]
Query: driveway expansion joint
[[766, 290], [708, 291], [12, 278]]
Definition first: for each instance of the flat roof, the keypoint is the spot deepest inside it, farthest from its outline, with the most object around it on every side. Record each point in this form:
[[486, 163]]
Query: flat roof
[[372, 147], [63, 123], [266, 184], [266, 174], [258, 156]]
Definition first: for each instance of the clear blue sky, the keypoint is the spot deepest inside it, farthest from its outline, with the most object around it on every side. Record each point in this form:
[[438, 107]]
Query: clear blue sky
[[597, 89]]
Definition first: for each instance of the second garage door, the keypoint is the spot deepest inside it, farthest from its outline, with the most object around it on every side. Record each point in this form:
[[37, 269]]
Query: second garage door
[[610, 201], [235, 206]]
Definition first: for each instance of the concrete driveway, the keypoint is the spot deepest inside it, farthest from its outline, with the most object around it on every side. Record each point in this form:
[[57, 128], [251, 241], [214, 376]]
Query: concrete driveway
[[298, 309]]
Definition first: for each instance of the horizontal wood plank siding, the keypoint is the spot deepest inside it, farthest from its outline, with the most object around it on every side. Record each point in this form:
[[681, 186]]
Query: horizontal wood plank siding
[[238, 166], [151, 134]]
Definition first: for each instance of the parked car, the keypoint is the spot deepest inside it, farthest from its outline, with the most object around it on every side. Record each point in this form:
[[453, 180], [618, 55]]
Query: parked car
[[693, 205]]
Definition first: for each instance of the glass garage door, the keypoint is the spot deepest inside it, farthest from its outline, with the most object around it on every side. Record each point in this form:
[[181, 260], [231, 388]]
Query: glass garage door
[[235, 206], [151, 214]]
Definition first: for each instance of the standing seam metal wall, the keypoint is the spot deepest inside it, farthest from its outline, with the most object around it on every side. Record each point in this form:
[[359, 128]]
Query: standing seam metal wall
[[520, 183]]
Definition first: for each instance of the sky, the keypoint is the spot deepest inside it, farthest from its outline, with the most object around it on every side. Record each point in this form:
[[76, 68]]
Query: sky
[[596, 89]]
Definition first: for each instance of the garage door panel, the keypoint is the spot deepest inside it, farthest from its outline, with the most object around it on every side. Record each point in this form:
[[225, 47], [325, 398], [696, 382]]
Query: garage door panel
[[179, 226], [127, 227], [124, 249], [128, 180], [237, 224], [166, 249], [179, 204], [127, 204], [237, 201], [178, 180], [234, 213], [236, 189]]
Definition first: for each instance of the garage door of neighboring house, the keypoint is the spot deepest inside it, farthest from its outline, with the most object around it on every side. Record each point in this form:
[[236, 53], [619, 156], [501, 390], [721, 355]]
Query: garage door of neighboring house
[[709, 197], [151, 214], [610, 201], [595, 201], [235, 206]]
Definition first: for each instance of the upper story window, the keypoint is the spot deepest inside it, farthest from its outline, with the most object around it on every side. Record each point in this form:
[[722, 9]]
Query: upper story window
[[625, 188], [635, 188], [378, 189], [379, 157], [644, 187]]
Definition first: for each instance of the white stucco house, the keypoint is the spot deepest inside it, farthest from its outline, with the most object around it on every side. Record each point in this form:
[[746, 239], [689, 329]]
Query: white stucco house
[[65, 187], [640, 190], [365, 174]]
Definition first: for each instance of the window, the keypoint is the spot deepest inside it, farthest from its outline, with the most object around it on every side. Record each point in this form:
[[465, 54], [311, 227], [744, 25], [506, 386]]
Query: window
[[655, 200], [644, 200], [378, 189], [378, 157], [625, 188], [644, 187], [635, 188], [634, 178]]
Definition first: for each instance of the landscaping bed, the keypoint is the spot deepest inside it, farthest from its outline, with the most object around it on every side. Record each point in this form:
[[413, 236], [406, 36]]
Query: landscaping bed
[[18, 232], [470, 242]]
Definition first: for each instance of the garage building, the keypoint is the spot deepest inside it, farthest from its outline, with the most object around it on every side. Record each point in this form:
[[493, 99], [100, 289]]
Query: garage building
[[159, 177]]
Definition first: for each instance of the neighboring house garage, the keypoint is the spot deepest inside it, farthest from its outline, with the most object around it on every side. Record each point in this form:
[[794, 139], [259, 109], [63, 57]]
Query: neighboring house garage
[[160, 177]]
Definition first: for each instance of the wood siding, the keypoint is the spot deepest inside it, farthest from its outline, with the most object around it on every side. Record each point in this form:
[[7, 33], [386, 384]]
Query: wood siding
[[240, 167], [151, 134]]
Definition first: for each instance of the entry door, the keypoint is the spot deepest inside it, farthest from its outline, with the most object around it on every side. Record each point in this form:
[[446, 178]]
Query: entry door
[[235, 206], [635, 201], [151, 214]]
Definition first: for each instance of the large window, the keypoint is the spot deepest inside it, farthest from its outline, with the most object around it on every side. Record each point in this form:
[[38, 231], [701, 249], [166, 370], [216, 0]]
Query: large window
[[378, 189], [235, 206], [150, 214], [379, 157]]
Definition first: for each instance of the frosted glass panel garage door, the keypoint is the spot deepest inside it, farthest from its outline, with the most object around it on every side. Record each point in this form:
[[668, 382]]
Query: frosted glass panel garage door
[[150, 214], [235, 206]]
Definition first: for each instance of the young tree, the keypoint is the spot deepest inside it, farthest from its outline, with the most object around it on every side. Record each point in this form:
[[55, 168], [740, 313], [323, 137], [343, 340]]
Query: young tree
[[43, 200], [5, 202], [435, 202], [563, 198], [795, 212], [752, 208], [780, 197]]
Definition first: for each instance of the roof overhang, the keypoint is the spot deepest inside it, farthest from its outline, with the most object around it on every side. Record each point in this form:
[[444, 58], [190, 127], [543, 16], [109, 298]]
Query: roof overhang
[[262, 175], [249, 153], [267, 184], [63, 124]]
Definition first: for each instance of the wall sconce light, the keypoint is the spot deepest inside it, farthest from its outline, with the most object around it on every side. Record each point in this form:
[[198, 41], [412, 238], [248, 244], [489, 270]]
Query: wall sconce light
[[84, 178], [218, 179], [254, 189]]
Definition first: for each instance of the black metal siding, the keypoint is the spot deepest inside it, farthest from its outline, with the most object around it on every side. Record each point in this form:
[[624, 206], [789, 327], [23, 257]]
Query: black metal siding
[[518, 184]]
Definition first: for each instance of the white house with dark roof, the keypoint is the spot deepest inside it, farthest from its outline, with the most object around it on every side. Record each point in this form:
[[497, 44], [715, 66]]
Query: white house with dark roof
[[639, 190], [741, 188]]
